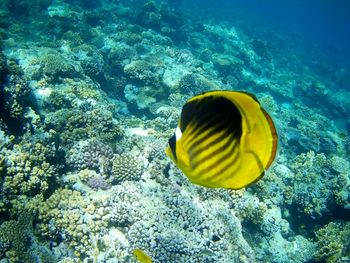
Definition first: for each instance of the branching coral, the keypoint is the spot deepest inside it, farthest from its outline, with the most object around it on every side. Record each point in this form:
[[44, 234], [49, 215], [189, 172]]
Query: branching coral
[[77, 124], [126, 167], [124, 205], [333, 242], [18, 245], [56, 66], [16, 93], [151, 205], [70, 216], [90, 60], [28, 170], [91, 154], [318, 183], [119, 56], [251, 209], [2, 163], [142, 72], [184, 230]]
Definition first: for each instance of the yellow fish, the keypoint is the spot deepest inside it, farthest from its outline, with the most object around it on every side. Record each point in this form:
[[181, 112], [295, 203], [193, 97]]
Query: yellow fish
[[224, 139], [141, 256]]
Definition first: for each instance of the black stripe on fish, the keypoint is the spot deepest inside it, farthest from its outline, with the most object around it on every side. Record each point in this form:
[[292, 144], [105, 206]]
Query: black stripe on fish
[[172, 145], [217, 151], [233, 154]]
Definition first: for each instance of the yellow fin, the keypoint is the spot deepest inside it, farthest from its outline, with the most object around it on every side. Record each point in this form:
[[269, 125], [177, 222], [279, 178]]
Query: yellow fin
[[141, 256]]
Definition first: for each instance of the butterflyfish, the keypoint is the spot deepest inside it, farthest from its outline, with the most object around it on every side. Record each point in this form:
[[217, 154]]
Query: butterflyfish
[[141, 256], [224, 139]]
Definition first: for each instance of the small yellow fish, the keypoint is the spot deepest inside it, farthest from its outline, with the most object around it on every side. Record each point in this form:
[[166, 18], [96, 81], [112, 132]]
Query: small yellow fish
[[141, 256], [224, 139]]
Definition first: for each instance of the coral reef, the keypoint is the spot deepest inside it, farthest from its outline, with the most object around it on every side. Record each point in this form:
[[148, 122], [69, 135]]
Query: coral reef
[[91, 60], [15, 96], [73, 125], [142, 72], [119, 57], [55, 66], [90, 92], [98, 182], [251, 209], [180, 230]]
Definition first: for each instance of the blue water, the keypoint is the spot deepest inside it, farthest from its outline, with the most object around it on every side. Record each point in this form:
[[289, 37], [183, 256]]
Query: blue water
[[323, 23], [91, 92]]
